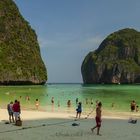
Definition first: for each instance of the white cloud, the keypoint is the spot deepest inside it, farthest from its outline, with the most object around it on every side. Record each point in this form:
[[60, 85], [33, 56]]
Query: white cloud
[[95, 40], [71, 42], [44, 42]]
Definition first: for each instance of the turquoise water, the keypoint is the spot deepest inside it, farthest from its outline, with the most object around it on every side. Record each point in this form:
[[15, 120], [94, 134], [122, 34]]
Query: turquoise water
[[119, 95]]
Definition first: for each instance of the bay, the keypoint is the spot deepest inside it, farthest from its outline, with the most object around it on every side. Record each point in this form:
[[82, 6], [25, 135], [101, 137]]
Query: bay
[[113, 97]]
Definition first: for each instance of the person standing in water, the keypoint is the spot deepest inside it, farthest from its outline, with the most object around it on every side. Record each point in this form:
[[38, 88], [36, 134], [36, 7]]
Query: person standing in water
[[52, 102], [58, 103], [137, 108], [86, 101], [37, 103], [69, 103], [98, 118], [133, 106], [76, 101]]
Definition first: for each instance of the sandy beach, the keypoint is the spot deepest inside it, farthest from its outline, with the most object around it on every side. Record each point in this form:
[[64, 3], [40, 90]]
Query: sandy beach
[[39, 125]]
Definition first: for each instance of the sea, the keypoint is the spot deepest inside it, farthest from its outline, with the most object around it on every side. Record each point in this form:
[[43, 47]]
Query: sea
[[113, 97]]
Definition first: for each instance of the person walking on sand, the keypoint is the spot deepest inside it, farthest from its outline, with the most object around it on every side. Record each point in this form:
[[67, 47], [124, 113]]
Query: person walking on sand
[[79, 110], [10, 112], [98, 118]]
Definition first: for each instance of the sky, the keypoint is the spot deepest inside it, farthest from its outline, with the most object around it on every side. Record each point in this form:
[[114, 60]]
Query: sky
[[68, 30]]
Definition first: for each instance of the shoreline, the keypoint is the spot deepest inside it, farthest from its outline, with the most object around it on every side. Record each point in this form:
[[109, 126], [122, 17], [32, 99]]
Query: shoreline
[[35, 114]]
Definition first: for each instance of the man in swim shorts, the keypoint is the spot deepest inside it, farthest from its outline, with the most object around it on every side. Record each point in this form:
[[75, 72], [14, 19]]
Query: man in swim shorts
[[98, 118]]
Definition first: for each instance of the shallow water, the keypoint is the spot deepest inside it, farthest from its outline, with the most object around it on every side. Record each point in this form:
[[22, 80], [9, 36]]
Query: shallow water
[[118, 95]]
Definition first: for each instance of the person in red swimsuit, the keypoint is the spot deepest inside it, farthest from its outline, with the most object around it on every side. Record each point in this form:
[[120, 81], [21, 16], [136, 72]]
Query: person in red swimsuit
[[16, 109], [98, 118]]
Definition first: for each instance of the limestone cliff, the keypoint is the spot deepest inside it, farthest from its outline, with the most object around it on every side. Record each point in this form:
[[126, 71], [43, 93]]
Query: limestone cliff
[[117, 60], [20, 59]]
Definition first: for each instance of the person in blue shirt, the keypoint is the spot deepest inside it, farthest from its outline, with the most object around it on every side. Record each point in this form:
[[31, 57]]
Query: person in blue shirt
[[79, 110]]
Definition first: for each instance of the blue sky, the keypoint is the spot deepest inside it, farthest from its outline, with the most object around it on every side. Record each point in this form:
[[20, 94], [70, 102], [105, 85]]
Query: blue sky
[[68, 30]]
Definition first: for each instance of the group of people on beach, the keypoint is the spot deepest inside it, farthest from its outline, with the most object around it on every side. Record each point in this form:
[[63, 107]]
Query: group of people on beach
[[79, 111], [14, 111]]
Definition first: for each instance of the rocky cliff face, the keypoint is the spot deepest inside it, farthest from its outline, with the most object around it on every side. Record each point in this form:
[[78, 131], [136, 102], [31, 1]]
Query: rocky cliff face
[[20, 59], [117, 60]]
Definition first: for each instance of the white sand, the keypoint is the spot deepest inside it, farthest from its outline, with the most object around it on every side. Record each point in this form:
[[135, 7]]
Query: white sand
[[58, 126]]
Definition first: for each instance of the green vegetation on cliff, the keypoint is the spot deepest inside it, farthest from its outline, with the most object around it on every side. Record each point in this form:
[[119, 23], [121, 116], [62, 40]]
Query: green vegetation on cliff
[[20, 59], [117, 60]]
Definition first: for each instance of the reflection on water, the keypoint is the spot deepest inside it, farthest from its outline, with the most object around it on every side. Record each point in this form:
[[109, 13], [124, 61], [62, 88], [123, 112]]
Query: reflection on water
[[113, 97]]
